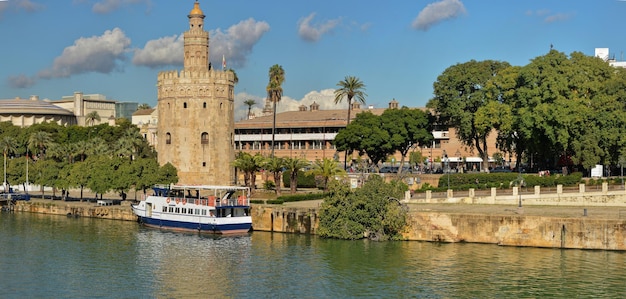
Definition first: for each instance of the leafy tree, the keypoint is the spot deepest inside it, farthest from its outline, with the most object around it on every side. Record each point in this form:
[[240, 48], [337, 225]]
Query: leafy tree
[[366, 135], [462, 101], [293, 166], [275, 93], [326, 169], [407, 128], [275, 165], [349, 88], [373, 211], [168, 174]]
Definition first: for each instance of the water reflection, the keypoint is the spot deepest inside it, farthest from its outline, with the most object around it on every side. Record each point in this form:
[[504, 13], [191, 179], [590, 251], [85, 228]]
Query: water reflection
[[58, 257]]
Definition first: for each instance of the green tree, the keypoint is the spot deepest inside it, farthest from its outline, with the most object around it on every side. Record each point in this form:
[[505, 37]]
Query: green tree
[[293, 166], [367, 136], [92, 117], [372, 211], [249, 103], [40, 140], [325, 170], [8, 145], [275, 93], [462, 101], [275, 165], [143, 106], [350, 88], [249, 165], [407, 128]]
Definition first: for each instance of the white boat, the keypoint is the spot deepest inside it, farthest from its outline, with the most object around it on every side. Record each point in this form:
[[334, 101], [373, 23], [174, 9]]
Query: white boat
[[198, 208]]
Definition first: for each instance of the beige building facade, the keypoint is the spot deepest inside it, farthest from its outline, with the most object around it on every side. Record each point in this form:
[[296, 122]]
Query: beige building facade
[[196, 113]]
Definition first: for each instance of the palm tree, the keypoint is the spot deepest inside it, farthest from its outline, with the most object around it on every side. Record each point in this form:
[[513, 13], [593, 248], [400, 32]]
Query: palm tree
[[40, 140], [250, 103], [294, 165], [326, 169], [143, 106], [275, 93], [8, 145], [250, 165], [351, 87], [91, 117], [275, 165]]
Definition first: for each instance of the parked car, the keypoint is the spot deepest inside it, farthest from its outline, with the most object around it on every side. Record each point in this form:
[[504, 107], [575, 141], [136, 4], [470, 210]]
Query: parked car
[[15, 196]]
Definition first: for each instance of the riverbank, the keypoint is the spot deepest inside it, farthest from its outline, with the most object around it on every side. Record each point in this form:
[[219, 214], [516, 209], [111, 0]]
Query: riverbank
[[595, 227]]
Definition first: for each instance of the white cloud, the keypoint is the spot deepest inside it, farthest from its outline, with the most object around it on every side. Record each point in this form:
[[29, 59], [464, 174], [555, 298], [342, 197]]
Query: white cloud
[[548, 16], [312, 33], [437, 12], [20, 5], [159, 52], [90, 54], [235, 44], [107, 6], [324, 98]]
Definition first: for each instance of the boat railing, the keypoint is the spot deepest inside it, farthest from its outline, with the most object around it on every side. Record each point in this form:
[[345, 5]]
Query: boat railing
[[212, 201]]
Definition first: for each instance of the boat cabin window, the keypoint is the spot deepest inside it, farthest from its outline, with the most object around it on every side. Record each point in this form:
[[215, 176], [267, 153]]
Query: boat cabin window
[[177, 210], [203, 212], [190, 212], [164, 209], [183, 210]]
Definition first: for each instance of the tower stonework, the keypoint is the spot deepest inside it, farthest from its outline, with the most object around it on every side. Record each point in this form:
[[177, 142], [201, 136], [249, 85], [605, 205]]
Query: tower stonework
[[196, 113]]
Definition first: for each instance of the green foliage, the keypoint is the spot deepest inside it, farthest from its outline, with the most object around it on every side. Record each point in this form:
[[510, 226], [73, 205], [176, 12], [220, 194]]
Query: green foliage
[[325, 170], [274, 202], [269, 185], [305, 180], [373, 211], [257, 201]]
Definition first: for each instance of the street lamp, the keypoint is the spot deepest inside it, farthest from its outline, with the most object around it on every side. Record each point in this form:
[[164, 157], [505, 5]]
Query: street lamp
[[446, 160]]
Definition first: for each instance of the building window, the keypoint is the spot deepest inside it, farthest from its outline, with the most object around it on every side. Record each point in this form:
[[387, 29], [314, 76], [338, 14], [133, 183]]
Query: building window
[[204, 105], [185, 105], [204, 138], [168, 138], [203, 164]]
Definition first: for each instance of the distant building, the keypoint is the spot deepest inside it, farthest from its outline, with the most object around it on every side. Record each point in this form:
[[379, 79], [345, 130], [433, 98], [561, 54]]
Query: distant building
[[125, 109], [146, 120], [605, 55], [196, 113], [27, 112], [81, 105]]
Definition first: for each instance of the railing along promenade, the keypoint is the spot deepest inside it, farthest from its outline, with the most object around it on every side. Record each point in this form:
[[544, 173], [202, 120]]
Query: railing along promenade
[[581, 195]]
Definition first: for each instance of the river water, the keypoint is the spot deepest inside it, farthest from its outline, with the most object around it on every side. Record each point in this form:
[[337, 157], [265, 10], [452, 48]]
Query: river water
[[47, 256]]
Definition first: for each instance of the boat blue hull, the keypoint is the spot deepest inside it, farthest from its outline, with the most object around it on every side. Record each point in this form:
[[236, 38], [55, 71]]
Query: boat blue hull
[[236, 228]]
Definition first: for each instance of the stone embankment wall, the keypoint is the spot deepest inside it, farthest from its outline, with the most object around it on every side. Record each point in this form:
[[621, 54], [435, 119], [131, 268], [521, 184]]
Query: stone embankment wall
[[119, 212], [509, 230]]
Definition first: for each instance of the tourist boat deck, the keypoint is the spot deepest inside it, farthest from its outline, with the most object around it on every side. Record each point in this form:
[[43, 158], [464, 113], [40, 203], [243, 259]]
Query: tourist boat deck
[[202, 208]]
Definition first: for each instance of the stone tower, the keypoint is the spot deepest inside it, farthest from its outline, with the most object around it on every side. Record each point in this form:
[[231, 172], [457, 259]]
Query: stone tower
[[196, 113]]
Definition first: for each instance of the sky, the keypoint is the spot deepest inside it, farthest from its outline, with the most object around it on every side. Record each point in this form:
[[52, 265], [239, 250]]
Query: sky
[[53, 48]]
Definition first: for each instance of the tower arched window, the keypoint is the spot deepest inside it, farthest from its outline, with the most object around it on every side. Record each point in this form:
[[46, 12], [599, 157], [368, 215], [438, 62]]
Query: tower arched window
[[204, 105], [168, 138], [185, 105], [204, 138]]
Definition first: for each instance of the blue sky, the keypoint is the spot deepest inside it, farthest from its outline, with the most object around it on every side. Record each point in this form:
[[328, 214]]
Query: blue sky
[[397, 48]]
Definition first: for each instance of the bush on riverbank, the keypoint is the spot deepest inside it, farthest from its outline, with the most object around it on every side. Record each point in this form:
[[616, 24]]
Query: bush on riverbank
[[372, 211]]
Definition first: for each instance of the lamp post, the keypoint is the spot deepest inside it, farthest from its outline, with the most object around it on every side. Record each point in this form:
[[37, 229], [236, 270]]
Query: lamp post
[[446, 160]]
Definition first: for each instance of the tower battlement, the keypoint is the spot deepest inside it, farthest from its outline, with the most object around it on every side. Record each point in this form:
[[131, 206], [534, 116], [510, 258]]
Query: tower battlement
[[186, 74]]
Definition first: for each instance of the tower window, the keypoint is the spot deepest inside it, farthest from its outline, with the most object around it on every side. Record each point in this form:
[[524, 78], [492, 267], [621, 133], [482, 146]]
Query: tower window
[[204, 138], [203, 164], [204, 105], [168, 138], [185, 105]]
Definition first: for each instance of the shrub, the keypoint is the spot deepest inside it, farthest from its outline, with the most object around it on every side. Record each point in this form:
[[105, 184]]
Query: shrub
[[302, 197], [269, 185], [257, 201], [274, 201], [304, 180]]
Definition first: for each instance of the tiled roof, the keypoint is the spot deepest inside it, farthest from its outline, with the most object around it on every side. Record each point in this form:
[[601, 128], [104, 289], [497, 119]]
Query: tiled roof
[[143, 112], [304, 118]]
